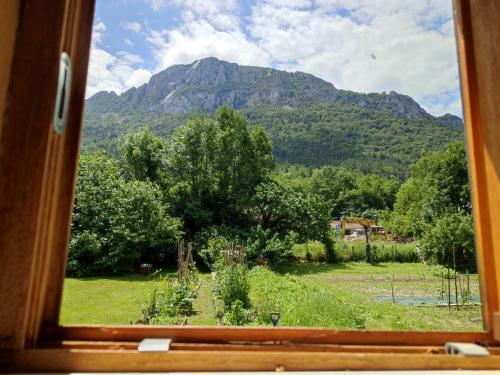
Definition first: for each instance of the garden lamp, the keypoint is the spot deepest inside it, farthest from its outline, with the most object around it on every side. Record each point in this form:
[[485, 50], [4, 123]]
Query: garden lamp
[[275, 317]]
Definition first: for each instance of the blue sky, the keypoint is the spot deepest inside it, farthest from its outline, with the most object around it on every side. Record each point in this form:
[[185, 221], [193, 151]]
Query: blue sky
[[362, 45]]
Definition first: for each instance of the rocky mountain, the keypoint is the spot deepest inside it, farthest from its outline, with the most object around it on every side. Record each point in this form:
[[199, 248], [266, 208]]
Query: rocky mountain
[[206, 84], [309, 120]]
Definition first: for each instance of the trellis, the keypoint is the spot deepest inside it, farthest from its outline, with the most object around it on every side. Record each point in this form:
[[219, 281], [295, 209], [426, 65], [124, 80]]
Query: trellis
[[233, 254], [184, 260]]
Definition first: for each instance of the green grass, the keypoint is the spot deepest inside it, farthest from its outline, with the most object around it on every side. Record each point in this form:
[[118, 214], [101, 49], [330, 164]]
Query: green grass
[[354, 251], [308, 294], [316, 250], [112, 300], [300, 302]]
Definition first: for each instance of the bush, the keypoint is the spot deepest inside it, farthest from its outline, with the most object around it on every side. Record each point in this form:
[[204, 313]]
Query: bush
[[329, 242], [232, 285], [273, 248], [211, 241], [84, 248]]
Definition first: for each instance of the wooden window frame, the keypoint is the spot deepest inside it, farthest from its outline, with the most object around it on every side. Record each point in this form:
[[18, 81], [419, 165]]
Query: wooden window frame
[[38, 167]]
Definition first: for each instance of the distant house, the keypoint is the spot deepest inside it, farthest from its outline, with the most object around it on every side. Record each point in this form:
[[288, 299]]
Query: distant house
[[354, 230]]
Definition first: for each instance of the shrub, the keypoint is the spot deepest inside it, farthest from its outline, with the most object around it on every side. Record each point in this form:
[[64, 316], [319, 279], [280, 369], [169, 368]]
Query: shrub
[[84, 248], [211, 241], [274, 248], [232, 285], [329, 242]]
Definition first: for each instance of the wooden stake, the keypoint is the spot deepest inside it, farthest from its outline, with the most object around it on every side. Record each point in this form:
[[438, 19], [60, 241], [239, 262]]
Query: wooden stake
[[392, 289], [455, 275], [468, 282], [442, 285], [449, 287]]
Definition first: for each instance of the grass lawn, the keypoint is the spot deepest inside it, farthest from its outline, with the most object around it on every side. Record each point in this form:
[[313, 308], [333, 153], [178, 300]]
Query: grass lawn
[[322, 287], [110, 300]]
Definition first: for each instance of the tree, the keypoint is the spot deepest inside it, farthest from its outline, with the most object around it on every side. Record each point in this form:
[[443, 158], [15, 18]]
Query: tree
[[143, 155], [215, 166], [433, 205], [348, 193], [283, 210], [116, 224], [438, 186], [450, 241]]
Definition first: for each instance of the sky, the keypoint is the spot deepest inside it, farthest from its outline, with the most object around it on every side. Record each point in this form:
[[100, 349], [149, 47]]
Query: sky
[[362, 45]]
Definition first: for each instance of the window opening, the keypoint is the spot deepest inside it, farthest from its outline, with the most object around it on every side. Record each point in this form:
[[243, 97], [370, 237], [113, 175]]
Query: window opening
[[268, 164]]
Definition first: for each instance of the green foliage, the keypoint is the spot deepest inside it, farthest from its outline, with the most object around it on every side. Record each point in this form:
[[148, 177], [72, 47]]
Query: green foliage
[[265, 246], [450, 234], [232, 285], [434, 206], [315, 249], [215, 166], [84, 248], [168, 303], [116, 224], [210, 242], [361, 139], [349, 193], [236, 316], [355, 251], [143, 155], [282, 209], [301, 303], [438, 186]]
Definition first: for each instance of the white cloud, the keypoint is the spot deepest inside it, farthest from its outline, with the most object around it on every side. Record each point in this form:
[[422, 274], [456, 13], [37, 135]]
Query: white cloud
[[362, 45], [128, 42], [108, 72], [98, 32], [200, 39], [367, 46], [133, 26], [157, 4]]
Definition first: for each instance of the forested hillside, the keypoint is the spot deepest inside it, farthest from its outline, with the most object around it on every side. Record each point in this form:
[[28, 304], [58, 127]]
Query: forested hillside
[[310, 122]]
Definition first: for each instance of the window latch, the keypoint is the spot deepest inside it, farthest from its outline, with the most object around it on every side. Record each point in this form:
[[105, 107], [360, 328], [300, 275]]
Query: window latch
[[155, 345], [62, 93], [465, 349]]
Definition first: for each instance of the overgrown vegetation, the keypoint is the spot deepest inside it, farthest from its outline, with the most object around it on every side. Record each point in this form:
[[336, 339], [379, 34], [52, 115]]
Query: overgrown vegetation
[[215, 181], [300, 303]]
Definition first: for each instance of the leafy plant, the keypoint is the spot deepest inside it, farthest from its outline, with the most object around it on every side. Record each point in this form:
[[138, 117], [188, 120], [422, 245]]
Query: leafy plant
[[236, 316], [170, 302], [232, 285], [264, 245]]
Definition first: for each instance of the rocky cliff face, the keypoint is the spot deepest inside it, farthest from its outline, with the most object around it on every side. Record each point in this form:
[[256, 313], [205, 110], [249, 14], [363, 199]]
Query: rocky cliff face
[[206, 84]]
